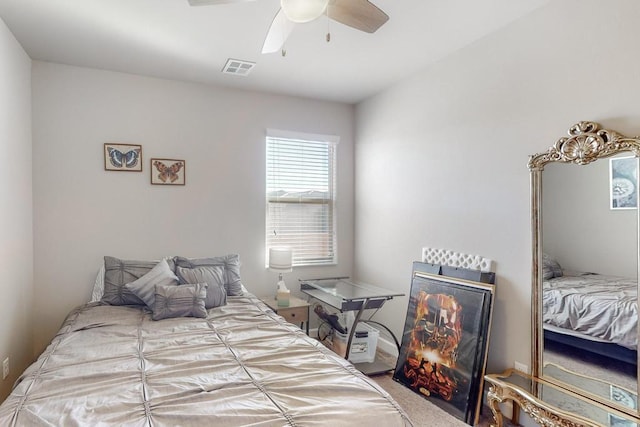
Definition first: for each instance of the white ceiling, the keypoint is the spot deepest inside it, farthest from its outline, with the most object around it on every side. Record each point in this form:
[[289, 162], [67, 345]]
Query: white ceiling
[[170, 39]]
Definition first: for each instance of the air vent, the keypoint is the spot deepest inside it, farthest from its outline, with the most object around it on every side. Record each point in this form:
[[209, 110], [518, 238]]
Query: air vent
[[238, 67]]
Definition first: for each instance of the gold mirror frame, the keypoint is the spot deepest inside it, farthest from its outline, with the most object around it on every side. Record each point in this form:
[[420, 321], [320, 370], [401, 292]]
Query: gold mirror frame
[[586, 143]]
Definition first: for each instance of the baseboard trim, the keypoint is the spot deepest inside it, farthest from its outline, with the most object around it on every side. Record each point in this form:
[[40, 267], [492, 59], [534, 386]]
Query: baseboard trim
[[387, 346]]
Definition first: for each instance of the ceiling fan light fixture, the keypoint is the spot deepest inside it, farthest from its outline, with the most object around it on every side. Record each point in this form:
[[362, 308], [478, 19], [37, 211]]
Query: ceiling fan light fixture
[[301, 11]]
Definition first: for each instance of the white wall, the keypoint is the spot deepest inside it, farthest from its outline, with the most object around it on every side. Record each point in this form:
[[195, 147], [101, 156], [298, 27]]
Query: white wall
[[16, 208], [441, 158], [579, 229], [83, 212]]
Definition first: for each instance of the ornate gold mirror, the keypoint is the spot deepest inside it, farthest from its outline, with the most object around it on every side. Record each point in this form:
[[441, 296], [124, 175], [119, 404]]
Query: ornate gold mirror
[[584, 200]]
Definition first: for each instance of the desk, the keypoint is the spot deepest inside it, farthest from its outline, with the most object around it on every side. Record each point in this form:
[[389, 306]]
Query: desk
[[346, 295], [547, 404]]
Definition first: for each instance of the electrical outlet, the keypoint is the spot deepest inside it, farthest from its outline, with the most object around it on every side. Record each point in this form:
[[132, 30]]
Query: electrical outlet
[[5, 368], [521, 367]]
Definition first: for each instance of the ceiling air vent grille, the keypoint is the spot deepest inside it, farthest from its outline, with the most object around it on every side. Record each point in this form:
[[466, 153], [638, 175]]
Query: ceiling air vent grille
[[238, 67]]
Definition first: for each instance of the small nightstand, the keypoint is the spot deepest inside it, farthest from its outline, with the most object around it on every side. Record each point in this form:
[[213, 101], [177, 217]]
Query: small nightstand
[[297, 312]]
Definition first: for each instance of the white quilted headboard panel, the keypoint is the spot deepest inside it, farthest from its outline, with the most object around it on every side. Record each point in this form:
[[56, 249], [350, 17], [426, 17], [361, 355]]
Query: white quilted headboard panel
[[456, 259]]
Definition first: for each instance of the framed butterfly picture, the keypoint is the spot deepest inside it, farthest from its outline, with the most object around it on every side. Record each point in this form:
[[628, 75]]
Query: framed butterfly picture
[[168, 172], [123, 157]]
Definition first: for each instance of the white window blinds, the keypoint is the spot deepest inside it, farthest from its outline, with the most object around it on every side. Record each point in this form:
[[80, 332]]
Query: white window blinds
[[301, 199]]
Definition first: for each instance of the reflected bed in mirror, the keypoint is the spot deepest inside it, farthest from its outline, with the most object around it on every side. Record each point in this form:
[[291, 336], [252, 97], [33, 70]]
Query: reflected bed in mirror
[[585, 268]]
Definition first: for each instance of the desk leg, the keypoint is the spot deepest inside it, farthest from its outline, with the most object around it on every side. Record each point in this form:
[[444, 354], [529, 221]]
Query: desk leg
[[352, 332]]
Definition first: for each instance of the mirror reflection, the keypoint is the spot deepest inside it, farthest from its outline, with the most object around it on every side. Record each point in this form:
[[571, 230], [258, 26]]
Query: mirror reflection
[[589, 242]]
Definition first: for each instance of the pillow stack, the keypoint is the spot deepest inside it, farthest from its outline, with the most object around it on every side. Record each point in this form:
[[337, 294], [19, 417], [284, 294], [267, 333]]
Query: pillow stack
[[173, 287], [550, 267]]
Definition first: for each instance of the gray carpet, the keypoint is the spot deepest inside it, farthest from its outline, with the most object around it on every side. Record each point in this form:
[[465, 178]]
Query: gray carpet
[[593, 366], [421, 411]]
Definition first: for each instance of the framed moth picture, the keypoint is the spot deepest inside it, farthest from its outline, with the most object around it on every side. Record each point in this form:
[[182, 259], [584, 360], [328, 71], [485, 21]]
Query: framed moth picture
[[123, 157], [623, 179], [168, 172], [445, 342]]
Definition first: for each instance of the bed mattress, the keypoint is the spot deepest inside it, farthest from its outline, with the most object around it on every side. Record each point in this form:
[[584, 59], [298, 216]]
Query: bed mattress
[[243, 365], [593, 306]]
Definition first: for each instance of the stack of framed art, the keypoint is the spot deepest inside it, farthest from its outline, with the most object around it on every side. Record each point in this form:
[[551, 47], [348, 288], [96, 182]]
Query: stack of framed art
[[445, 339]]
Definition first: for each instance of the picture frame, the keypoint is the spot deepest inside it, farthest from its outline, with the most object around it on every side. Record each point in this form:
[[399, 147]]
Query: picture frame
[[626, 398], [445, 341], [168, 172], [623, 183], [122, 157]]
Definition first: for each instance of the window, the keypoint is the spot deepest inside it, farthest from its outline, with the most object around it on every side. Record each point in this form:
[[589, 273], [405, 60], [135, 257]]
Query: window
[[301, 196]]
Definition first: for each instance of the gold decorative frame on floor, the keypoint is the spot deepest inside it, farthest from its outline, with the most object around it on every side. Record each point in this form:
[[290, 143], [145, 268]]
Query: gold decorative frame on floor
[[168, 172]]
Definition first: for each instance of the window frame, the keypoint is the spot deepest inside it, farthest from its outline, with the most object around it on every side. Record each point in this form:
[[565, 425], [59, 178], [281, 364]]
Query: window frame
[[331, 142]]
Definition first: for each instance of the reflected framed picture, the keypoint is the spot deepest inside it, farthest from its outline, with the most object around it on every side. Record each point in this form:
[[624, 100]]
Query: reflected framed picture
[[122, 157], [168, 172], [443, 354], [626, 398], [623, 179]]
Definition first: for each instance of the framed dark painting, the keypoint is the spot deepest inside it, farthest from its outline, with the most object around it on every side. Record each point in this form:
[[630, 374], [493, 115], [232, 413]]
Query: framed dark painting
[[444, 344]]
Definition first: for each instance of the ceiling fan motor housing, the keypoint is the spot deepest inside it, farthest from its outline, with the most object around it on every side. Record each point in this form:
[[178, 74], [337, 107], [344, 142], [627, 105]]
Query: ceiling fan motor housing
[[301, 11]]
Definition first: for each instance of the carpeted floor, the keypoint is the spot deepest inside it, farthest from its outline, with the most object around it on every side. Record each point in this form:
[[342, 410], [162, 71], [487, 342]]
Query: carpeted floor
[[591, 365], [421, 411], [424, 413]]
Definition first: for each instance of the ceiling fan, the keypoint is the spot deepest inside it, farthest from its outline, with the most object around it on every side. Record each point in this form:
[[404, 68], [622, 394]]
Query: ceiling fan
[[359, 14]]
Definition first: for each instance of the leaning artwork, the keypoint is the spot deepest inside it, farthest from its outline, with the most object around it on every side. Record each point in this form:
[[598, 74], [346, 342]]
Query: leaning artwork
[[168, 172], [445, 340], [123, 157]]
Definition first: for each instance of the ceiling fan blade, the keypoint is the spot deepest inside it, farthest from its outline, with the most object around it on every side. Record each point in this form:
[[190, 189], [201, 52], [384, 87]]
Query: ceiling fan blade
[[210, 2], [359, 14], [278, 33]]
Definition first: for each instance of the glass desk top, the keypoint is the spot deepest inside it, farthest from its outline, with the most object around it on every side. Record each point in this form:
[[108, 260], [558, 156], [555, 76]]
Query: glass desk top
[[346, 295]]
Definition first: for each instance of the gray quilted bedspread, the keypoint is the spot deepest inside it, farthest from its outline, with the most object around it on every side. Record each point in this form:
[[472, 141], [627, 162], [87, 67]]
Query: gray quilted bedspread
[[241, 366], [601, 307]]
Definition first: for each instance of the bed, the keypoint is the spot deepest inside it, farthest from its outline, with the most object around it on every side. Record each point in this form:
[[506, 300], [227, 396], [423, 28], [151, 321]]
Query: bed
[[239, 364], [593, 312]]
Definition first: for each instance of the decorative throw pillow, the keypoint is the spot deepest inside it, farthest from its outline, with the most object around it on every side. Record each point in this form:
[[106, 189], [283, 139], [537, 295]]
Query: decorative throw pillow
[[231, 264], [180, 301], [550, 268], [118, 272], [145, 287], [98, 286], [213, 276]]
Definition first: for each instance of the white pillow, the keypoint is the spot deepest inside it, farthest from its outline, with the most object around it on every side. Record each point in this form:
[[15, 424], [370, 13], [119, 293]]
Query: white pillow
[[145, 287], [98, 286]]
